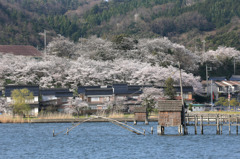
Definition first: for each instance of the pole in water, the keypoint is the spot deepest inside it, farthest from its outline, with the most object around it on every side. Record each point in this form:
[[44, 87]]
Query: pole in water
[[229, 124], [135, 122], [144, 132], [237, 126], [195, 124], [53, 133], [151, 130], [67, 131]]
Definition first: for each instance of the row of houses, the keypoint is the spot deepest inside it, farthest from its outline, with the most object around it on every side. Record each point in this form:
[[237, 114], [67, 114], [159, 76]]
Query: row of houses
[[222, 88], [97, 97]]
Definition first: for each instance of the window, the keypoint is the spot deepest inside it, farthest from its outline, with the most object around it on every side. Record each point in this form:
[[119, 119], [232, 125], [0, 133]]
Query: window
[[135, 97], [95, 99], [220, 89]]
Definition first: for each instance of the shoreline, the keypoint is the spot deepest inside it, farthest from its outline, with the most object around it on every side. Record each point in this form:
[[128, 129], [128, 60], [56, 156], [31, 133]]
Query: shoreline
[[76, 120]]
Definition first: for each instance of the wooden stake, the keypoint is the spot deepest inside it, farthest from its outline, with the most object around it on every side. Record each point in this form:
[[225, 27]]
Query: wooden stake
[[208, 119], [221, 124], [236, 125], [151, 130], [229, 118], [195, 121], [135, 122], [160, 130], [179, 129], [201, 124], [217, 123], [146, 122]]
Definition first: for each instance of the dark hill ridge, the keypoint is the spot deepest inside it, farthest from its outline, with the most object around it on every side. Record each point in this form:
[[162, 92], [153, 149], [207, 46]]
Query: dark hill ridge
[[188, 22]]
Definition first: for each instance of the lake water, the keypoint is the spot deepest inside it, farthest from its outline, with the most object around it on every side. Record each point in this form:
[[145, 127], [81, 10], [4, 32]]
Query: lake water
[[108, 141]]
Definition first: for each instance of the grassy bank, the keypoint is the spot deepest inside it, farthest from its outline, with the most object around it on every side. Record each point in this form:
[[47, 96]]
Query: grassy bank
[[51, 116]]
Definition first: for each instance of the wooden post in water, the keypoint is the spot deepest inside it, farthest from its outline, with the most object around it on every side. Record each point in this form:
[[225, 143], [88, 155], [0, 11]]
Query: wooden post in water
[[208, 118], [135, 122], [195, 122], [160, 130], [53, 133], [151, 130], [182, 129], [236, 125], [201, 124], [221, 124], [229, 118], [143, 131], [179, 130], [146, 122], [217, 123], [67, 131]]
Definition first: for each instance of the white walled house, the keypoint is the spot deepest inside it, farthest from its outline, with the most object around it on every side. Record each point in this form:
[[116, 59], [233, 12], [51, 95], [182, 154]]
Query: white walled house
[[58, 97], [34, 103]]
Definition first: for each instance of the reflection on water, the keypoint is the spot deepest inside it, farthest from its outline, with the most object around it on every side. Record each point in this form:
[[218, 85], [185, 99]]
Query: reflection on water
[[105, 140]]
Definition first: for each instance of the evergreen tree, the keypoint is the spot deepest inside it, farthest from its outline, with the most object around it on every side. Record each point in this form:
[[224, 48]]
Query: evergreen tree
[[169, 90]]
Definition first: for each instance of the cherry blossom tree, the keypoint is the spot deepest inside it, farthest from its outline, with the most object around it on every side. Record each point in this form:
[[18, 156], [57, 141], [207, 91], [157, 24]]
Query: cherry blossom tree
[[76, 105], [150, 96], [4, 107], [61, 46], [221, 54]]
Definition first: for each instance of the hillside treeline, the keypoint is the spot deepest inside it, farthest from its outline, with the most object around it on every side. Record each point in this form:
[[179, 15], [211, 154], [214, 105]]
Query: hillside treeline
[[184, 21]]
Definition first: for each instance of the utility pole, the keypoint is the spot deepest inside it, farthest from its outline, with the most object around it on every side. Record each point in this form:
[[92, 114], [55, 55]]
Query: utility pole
[[207, 69], [184, 122], [204, 46], [45, 42], [229, 96], [234, 65], [207, 78], [211, 96], [44, 34]]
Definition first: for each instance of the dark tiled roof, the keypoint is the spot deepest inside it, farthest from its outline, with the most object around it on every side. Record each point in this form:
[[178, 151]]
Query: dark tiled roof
[[235, 78], [64, 94], [99, 91], [10, 88], [218, 78], [53, 91], [170, 105], [24, 50], [81, 90], [125, 89], [185, 89], [178, 89]]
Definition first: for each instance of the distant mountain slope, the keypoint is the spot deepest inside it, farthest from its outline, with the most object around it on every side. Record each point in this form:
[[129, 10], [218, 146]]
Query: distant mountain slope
[[184, 21]]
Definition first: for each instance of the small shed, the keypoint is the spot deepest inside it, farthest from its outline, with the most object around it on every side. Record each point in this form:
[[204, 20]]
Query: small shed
[[170, 113], [140, 114]]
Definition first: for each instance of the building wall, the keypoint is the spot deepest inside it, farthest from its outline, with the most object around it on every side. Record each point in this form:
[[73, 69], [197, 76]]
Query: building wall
[[169, 118], [140, 116], [34, 100], [48, 97]]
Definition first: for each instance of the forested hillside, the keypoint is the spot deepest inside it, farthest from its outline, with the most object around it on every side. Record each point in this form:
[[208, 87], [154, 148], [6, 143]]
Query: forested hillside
[[187, 22]]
